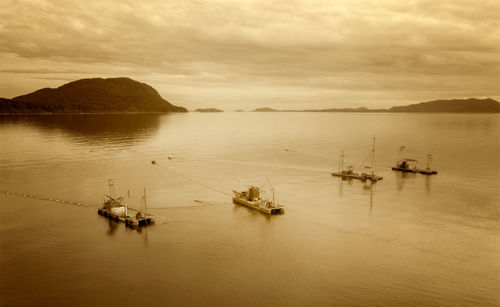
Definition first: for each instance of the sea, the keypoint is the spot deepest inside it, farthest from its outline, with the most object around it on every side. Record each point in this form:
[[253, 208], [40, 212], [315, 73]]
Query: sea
[[409, 239]]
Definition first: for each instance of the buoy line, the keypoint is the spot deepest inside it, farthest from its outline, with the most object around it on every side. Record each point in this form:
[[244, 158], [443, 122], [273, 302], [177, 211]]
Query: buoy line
[[62, 201], [196, 181]]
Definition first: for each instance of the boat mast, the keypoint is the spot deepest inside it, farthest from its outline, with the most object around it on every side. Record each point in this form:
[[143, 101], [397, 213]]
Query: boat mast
[[111, 188], [273, 195], [373, 156], [401, 152], [145, 204], [126, 205], [341, 162], [429, 160]]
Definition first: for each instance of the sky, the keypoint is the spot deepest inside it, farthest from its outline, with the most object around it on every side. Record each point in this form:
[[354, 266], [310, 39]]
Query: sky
[[293, 54]]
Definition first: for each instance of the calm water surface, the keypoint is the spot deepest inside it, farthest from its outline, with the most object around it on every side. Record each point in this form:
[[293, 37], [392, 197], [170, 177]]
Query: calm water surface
[[408, 239]]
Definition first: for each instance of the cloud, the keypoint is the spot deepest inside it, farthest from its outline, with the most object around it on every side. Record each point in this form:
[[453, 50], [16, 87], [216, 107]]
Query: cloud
[[303, 52]]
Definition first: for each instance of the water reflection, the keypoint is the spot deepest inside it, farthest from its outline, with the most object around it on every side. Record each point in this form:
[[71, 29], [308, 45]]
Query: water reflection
[[251, 212], [401, 178], [92, 128], [369, 186], [428, 185], [112, 227], [342, 179], [463, 121]]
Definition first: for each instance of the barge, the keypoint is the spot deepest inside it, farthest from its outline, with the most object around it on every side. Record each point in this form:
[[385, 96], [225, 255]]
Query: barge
[[114, 210], [347, 174], [350, 174]]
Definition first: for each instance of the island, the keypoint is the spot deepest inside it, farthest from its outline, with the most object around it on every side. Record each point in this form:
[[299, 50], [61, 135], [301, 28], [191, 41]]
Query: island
[[93, 95], [266, 110], [208, 110], [470, 105]]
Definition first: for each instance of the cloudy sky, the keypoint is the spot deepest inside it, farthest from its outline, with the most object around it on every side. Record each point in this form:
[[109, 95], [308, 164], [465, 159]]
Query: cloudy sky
[[246, 54]]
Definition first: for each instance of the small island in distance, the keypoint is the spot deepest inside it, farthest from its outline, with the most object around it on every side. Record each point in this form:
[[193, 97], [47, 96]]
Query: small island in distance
[[94, 95], [470, 105], [208, 110]]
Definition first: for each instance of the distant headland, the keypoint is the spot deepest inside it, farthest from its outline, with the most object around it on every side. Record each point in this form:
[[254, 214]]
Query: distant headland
[[208, 110], [95, 95], [471, 105]]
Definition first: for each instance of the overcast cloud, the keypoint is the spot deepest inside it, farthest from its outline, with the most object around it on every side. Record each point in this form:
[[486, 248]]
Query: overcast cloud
[[247, 54]]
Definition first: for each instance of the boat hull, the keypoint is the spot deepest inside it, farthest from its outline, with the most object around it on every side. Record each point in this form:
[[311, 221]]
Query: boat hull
[[405, 170], [427, 172], [373, 178], [349, 176], [256, 205]]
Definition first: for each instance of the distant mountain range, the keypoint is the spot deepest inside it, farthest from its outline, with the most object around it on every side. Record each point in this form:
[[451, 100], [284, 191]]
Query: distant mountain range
[[471, 105], [97, 95], [94, 95]]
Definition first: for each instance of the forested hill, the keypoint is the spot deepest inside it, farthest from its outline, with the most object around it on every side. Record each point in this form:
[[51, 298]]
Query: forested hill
[[471, 105], [94, 95]]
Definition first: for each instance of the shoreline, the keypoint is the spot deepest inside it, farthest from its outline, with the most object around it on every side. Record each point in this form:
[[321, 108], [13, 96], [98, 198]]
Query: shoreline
[[90, 113], [287, 111]]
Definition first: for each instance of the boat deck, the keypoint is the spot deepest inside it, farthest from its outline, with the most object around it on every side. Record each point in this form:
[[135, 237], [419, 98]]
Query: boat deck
[[129, 221]]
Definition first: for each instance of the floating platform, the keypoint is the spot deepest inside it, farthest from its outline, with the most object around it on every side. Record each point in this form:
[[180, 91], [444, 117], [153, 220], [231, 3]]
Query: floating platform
[[350, 174], [110, 215], [363, 176], [136, 221], [130, 221]]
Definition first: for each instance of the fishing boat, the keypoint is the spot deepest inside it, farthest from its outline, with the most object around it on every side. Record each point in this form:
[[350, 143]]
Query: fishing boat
[[112, 207], [140, 218], [348, 173], [406, 165], [428, 170], [252, 199], [371, 175]]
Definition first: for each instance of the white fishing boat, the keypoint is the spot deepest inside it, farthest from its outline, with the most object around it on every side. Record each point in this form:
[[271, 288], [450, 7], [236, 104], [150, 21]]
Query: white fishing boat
[[252, 199]]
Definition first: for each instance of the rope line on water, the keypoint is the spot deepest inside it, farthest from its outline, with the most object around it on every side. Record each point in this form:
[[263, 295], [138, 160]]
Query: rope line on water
[[72, 203], [62, 201], [196, 181]]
